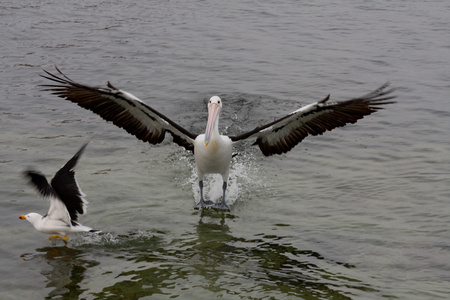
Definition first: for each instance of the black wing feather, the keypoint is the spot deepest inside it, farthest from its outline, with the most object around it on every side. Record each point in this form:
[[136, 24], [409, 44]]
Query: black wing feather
[[281, 135], [65, 185], [38, 180], [116, 106]]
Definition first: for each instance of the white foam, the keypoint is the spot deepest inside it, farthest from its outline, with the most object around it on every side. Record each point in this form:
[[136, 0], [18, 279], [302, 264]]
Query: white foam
[[97, 239], [114, 240], [242, 180]]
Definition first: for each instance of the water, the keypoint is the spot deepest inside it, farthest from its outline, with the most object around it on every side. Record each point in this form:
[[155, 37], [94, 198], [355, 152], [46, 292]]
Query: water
[[359, 213]]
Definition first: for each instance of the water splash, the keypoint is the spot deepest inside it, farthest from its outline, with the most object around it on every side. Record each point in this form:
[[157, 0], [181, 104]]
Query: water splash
[[105, 239], [136, 239], [243, 179]]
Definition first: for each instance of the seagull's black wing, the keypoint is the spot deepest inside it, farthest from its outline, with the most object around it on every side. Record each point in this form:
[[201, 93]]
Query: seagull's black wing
[[38, 180], [57, 209], [66, 187]]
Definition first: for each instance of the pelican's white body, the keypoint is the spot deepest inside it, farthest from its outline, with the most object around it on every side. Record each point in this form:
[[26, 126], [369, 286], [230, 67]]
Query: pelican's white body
[[214, 158], [213, 151]]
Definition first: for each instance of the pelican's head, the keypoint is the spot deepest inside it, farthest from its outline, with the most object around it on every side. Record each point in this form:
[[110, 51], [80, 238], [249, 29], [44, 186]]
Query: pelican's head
[[214, 106]]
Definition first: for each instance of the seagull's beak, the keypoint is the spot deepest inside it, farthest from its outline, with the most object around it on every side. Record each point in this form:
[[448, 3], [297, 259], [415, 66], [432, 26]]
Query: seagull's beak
[[213, 113], [22, 217]]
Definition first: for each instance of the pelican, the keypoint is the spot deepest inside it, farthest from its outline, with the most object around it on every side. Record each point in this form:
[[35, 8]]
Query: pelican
[[212, 151], [66, 202]]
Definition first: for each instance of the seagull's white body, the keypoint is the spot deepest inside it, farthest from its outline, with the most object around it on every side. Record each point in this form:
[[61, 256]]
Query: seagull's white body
[[47, 224], [51, 225], [66, 201], [212, 151]]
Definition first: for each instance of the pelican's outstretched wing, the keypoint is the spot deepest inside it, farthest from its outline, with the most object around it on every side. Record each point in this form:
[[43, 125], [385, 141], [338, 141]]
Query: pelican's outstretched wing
[[122, 108], [282, 135]]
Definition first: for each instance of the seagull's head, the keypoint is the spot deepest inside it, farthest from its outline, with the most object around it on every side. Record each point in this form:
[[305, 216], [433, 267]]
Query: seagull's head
[[31, 217], [214, 107]]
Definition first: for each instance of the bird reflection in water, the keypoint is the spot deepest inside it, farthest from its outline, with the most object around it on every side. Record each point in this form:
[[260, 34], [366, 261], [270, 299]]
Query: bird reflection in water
[[201, 260], [63, 267]]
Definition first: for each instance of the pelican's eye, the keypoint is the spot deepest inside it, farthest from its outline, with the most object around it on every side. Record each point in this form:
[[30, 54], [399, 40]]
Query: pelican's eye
[[218, 101]]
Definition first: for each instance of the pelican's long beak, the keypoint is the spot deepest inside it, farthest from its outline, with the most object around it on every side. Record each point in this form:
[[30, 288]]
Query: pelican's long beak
[[213, 113], [22, 217]]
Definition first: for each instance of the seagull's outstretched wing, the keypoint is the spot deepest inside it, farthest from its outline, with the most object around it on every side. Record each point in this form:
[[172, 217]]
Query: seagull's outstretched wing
[[282, 135], [57, 209], [122, 108], [66, 187], [41, 184]]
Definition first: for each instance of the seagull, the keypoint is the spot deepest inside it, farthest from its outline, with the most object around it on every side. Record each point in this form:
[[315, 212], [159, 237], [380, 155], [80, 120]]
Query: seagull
[[213, 151], [66, 201]]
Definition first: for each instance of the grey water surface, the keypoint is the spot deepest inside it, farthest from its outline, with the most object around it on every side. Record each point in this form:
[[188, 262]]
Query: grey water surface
[[361, 212]]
